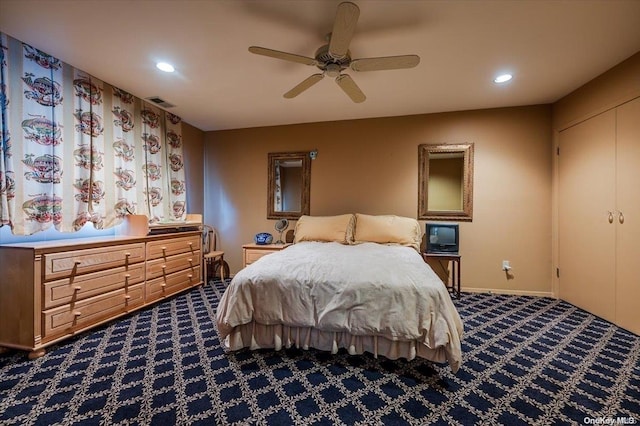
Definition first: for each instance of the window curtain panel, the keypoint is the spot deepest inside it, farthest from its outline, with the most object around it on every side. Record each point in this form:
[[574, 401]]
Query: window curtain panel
[[163, 167], [76, 149]]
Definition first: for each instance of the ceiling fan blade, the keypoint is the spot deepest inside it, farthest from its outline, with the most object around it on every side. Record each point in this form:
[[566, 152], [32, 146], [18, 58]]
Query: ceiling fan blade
[[350, 88], [385, 63], [282, 55], [306, 83], [343, 29]]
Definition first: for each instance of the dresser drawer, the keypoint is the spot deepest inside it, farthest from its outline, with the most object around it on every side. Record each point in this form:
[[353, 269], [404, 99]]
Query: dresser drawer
[[71, 318], [159, 267], [80, 287], [172, 246], [170, 284], [68, 263]]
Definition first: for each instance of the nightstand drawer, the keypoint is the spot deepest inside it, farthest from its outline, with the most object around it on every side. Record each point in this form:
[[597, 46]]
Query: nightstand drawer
[[253, 252], [253, 255]]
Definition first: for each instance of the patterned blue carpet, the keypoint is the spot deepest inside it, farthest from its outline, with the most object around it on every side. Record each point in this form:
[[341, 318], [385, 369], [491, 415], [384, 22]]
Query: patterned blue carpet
[[526, 361]]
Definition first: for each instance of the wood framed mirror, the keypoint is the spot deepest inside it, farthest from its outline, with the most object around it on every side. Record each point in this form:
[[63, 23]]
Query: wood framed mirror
[[289, 188], [445, 182]]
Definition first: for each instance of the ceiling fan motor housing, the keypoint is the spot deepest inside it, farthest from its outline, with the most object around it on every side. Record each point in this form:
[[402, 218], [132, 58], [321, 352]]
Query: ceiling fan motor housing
[[328, 63]]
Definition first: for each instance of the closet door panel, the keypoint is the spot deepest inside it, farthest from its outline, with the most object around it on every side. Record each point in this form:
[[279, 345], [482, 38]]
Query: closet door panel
[[628, 203], [586, 195]]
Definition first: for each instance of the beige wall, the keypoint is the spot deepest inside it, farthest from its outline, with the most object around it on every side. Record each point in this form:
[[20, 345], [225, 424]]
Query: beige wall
[[371, 166], [614, 87], [193, 147]]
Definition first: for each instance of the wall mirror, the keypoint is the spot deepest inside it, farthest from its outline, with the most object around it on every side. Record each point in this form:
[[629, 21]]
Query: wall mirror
[[445, 182], [289, 185]]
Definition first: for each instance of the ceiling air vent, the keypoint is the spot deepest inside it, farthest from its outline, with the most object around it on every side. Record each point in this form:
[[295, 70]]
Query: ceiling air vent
[[159, 101]]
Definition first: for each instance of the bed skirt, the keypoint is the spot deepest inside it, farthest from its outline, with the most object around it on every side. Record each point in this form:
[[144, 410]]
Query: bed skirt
[[260, 336]]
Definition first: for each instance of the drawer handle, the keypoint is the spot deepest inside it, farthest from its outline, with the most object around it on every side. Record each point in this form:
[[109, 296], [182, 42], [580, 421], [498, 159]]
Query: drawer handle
[[163, 266], [77, 314], [163, 248], [77, 262], [126, 296], [190, 243], [163, 285], [77, 288], [127, 254], [189, 276], [127, 275], [190, 260]]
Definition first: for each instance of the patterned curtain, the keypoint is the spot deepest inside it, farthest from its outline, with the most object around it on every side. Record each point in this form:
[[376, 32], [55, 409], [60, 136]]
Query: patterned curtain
[[163, 167], [277, 199], [7, 175], [76, 150], [176, 175]]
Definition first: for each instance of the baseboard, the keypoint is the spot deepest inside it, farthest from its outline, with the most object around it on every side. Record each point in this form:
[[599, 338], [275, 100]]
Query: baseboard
[[512, 292]]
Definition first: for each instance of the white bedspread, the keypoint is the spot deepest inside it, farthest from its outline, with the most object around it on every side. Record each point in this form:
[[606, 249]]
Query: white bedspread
[[365, 290]]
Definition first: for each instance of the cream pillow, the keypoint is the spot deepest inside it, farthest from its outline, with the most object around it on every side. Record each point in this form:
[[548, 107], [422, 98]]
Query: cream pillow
[[388, 229], [325, 228]]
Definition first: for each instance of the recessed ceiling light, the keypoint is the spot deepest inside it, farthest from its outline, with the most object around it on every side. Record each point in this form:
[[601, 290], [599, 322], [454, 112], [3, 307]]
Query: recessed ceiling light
[[163, 66], [503, 78]]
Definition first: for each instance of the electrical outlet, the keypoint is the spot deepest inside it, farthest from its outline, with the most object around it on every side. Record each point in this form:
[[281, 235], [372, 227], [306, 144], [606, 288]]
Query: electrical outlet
[[506, 265]]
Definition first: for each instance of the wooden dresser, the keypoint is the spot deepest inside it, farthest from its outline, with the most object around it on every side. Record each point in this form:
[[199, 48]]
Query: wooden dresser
[[252, 252], [53, 290]]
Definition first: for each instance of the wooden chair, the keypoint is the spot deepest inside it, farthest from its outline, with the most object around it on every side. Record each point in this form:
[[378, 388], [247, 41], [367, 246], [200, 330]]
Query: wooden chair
[[212, 258]]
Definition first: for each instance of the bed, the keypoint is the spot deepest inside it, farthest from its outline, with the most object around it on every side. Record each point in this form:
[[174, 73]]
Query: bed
[[356, 282]]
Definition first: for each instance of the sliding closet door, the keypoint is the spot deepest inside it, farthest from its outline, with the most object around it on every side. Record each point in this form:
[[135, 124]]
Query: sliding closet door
[[628, 217], [586, 209]]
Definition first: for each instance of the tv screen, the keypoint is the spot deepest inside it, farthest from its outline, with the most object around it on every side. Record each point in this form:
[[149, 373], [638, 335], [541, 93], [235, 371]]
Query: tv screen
[[442, 238]]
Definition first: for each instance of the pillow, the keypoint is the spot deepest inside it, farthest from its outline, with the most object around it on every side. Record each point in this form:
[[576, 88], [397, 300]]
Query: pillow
[[325, 228], [388, 229]]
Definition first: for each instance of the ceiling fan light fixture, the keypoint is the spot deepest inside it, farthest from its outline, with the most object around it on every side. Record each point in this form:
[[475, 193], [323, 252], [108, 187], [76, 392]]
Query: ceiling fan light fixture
[[333, 70], [165, 66], [502, 78]]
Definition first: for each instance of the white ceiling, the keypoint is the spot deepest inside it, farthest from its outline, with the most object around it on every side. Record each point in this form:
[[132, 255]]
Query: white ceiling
[[551, 47]]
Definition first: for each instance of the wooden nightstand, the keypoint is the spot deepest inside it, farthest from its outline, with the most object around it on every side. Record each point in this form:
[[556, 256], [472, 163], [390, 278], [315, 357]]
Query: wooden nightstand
[[252, 252], [455, 259]]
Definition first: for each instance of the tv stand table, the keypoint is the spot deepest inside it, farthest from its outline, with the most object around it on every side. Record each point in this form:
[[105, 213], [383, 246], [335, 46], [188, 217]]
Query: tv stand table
[[455, 259]]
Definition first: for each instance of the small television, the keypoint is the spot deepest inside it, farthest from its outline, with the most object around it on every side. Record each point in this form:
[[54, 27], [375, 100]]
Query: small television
[[442, 238]]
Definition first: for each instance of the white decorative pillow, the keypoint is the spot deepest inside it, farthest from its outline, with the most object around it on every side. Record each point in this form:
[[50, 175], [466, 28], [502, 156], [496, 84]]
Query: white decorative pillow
[[388, 229], [325, 228]]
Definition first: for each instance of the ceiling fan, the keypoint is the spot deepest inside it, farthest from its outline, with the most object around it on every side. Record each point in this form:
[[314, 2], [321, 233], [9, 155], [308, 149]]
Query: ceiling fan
[[333, 58]]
